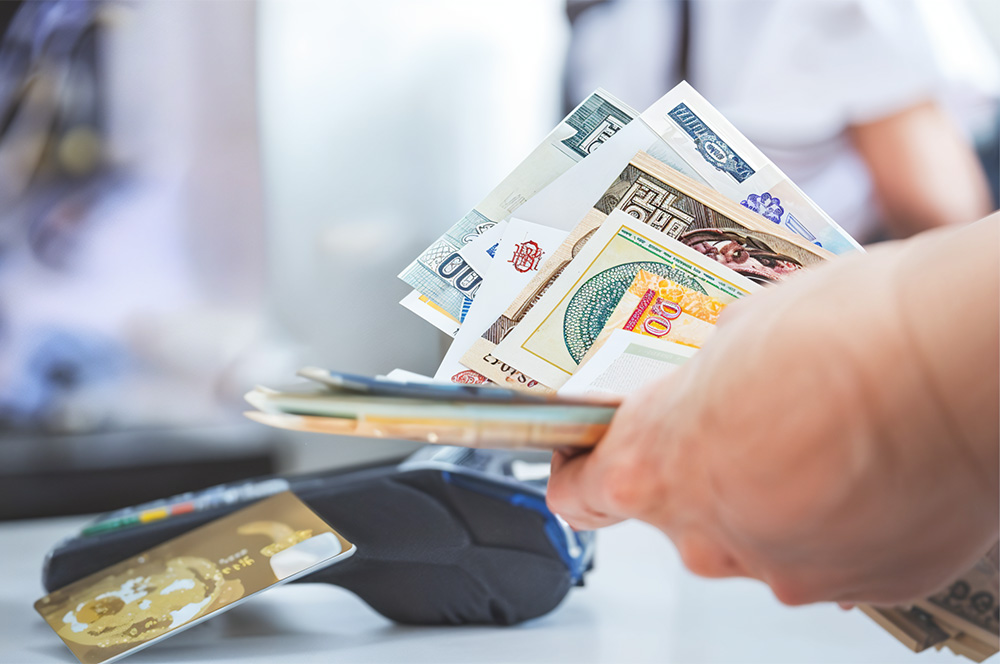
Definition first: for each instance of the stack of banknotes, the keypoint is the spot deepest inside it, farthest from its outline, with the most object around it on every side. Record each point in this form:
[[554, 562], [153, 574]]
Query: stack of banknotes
[[398, 407], [602, 262]]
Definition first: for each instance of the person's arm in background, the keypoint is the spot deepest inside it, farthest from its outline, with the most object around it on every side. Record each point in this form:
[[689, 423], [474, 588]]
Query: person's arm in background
[[925, 172], [836, 438]]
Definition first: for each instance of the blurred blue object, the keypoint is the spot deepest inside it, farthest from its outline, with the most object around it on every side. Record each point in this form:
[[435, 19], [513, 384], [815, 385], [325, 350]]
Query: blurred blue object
[[62, 361]]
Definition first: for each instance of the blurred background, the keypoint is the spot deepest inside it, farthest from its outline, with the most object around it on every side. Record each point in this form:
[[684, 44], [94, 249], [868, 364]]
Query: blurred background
[[197, 197]]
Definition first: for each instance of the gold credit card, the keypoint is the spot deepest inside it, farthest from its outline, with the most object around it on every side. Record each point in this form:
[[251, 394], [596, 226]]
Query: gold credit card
[[184, 581]]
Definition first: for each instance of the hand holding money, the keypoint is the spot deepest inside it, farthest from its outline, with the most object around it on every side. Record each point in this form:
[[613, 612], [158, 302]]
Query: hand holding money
[[836, 437], [859, 465]]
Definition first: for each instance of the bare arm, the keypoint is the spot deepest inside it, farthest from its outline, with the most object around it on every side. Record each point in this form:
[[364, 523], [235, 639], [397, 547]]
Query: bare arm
[[925, 173]]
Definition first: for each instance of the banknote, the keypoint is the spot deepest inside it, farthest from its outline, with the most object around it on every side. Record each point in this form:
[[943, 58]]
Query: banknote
[[440, 273], [564, 201], [519, 255], [479, 357], [309, 401], [972, 602], [459, 432], [624, 364], [668, 201], [738, 170], [480, 251], [699, 217], [913, 628], [420, 305], [970, 647], [689, 145], [658, 307], [396, 386], [552, 339], [403, 375], [964, 617]]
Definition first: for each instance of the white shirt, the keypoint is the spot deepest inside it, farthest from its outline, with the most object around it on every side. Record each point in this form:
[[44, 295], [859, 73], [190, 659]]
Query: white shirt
[[793, 75]]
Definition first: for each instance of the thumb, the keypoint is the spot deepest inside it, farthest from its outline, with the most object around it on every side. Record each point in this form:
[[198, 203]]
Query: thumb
[[567, 492]]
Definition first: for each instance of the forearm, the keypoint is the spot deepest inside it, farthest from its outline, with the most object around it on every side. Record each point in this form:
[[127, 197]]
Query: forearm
[[925, 172]]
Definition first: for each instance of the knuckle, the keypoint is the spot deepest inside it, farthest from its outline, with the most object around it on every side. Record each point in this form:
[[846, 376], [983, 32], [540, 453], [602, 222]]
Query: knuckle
[[789, 592], [702, 558], [582, 522], [556, 499], [622, 489]]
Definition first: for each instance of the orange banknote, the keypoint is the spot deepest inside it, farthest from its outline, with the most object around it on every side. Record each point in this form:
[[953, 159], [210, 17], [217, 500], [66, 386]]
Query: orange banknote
[[661, 308]]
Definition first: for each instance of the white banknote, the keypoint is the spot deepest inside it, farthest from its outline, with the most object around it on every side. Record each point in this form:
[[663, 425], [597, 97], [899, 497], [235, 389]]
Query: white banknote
[[737, 169], [625, 363], [520, 252], [423, 307]]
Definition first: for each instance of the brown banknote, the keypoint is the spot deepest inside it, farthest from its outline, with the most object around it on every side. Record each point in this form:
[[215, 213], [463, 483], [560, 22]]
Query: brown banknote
[[964, 617], [972, 602]]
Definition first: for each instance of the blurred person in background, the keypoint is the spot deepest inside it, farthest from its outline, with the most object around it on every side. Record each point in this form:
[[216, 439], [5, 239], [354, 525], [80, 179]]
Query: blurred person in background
[[867, 105]]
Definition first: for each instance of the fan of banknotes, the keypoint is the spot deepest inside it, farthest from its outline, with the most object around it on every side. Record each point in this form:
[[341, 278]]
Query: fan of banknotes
[[600, 263], [394, 407]]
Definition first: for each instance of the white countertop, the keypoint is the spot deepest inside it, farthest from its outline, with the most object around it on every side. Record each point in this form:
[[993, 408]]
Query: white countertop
[[639, 605]]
